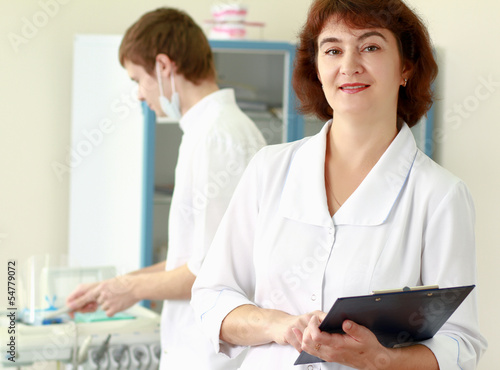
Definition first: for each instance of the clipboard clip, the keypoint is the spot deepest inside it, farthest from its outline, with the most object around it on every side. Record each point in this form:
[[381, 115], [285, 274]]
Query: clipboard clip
[[406, 289]]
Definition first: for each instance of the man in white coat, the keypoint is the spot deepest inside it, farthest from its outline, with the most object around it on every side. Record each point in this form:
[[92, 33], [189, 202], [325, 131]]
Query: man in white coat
[[169, 57]]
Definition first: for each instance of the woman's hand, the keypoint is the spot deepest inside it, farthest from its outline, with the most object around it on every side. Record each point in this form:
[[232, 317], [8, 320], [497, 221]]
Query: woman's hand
[[357, 348], [249, 325], [283, 329]]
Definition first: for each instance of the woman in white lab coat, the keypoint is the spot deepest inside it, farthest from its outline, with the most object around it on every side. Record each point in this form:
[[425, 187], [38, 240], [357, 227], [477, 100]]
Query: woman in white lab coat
[[356, 208]]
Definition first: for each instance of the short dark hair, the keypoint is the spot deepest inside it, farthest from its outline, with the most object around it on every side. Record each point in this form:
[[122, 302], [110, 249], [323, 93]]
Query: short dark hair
[[411, 36], [174, 33]]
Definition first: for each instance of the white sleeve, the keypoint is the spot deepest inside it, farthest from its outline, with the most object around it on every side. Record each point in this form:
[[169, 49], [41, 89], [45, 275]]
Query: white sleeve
[[227, 278], [449, 259], [220, 167]]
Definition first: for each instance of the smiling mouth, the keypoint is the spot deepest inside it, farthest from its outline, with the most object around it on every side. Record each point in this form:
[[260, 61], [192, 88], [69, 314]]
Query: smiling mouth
[[354, 88]]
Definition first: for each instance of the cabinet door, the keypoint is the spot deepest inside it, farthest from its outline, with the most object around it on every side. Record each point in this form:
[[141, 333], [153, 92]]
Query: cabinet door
[[260, 72], [106, 158]]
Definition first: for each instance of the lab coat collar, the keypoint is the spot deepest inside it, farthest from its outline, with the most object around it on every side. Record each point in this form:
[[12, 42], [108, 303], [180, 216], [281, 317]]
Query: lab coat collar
[[304, 194], [193, 118]]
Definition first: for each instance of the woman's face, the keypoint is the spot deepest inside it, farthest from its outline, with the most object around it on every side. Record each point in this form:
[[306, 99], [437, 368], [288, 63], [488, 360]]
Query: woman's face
[[360, 69]]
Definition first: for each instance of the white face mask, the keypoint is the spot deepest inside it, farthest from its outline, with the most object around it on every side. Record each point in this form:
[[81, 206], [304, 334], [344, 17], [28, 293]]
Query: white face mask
[[171, 109]]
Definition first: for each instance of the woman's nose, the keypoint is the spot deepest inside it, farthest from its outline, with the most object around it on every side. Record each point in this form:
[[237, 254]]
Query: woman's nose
[[351, 64]]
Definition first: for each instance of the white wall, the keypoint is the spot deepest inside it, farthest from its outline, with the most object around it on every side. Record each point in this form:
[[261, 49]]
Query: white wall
[[35, 113], [468, 126]]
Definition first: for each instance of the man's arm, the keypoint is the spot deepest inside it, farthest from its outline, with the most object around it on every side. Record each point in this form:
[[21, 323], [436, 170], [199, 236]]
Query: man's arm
[[117, 294], [157, 267], [161, 285]]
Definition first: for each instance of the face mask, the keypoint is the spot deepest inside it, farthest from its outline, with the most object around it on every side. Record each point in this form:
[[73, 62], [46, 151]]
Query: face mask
[[171, 109]]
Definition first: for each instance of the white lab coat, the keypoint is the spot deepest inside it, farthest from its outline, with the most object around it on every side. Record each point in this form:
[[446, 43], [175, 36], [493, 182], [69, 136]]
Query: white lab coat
[[218, 142], [409, 223]]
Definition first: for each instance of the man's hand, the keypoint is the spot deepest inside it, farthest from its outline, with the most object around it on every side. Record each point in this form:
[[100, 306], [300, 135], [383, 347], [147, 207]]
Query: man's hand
[[113, 295], [79, 300]]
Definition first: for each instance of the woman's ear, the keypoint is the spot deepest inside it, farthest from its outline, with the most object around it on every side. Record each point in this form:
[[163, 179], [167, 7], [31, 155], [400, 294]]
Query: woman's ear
[[407, 71]]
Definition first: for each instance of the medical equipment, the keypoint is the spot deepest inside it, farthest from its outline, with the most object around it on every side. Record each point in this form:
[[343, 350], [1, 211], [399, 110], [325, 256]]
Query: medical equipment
[[140, 357], [57, 313], [155, 350], [45, 332], [46, 281], [119, 357], [78, 343]]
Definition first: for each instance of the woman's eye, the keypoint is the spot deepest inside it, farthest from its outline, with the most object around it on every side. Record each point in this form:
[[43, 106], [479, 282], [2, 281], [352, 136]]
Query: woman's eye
[[372, 48], [333, 52]]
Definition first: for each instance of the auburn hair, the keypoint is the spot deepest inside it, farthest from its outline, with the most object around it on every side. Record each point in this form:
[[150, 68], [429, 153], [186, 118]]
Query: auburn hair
[[411, 36], [174, 33]]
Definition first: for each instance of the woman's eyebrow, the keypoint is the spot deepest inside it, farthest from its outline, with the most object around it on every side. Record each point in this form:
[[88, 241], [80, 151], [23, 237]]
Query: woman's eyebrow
[[371, 33], [326, 40], [360, 38]]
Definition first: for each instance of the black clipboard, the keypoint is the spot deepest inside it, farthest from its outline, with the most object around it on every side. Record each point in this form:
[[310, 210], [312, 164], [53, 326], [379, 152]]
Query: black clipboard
[[396, 318]]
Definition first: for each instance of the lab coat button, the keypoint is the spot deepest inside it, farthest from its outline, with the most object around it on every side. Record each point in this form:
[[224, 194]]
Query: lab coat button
[[310, 367], [330, 231], [313, 297]]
